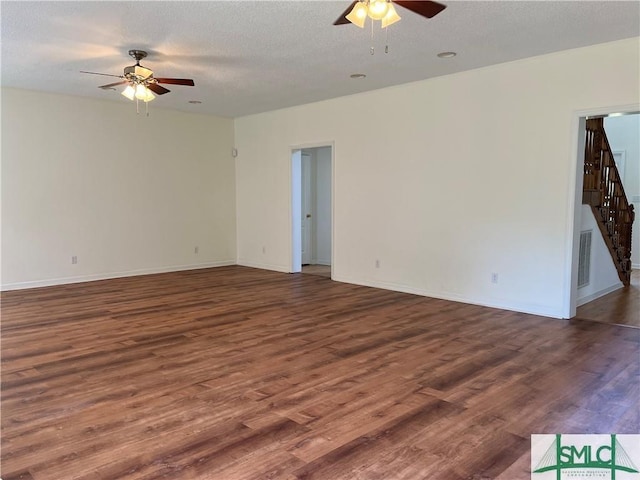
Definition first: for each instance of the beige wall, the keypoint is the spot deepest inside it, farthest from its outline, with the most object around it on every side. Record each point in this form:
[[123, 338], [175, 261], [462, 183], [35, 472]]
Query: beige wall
[[124, 193], [444, 181]]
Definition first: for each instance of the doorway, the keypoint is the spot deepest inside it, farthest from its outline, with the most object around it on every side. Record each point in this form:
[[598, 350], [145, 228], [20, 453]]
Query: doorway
[[603, 282], [312, 210]]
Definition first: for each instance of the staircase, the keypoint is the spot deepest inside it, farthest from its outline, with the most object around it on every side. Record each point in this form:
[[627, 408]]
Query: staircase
[[603, 191]]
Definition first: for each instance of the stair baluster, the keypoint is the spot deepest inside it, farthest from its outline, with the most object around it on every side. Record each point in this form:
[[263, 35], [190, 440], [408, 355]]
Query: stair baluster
[[603, 191]]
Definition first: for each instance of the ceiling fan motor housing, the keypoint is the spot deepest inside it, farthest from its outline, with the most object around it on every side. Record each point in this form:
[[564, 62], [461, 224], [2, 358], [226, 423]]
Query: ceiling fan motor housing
[[137, 72]]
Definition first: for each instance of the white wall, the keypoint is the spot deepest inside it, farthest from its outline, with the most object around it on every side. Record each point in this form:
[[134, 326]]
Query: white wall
[[604, 276], [624, 135], [125, 193], [443, 181]]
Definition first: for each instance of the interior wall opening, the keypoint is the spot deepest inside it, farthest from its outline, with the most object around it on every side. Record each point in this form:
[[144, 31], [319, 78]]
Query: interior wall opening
[[623, 132], [312, 210]]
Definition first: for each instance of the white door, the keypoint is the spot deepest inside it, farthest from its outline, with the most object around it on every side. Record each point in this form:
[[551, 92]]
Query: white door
[[307, 206]]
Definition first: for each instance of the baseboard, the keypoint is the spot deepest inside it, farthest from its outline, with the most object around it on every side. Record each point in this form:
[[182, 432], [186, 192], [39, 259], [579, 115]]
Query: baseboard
[[540, 310], [106, 276], [531, 309], [598, 294], [263, 266], [635, 266]]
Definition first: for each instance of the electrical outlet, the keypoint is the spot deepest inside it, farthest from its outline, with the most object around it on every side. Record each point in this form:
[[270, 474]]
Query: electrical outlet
[[264, 249], [377, 263], [494, 278], [74, 260], [196, 250]]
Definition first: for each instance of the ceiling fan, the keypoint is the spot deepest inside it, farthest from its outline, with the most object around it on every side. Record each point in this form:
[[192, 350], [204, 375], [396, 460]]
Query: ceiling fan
[[384, 10], [140, 80]]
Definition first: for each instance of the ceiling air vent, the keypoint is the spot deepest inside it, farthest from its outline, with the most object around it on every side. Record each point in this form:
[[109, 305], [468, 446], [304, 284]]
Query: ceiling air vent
[[584, 260]]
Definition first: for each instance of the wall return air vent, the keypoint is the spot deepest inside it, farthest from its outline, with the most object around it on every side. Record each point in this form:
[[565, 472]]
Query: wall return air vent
[[584, 259]]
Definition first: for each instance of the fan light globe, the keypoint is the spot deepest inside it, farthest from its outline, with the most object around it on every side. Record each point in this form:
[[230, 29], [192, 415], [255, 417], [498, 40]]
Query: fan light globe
[[148, 96], [358, 15], [378, 9], [129, 92], [391, 16], [141, 91]]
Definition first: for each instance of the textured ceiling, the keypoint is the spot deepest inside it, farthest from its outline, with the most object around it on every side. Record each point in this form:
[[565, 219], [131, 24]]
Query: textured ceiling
[[248, 57]]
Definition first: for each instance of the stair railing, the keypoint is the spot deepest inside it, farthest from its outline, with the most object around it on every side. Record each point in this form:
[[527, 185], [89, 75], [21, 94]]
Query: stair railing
[[604, 192]]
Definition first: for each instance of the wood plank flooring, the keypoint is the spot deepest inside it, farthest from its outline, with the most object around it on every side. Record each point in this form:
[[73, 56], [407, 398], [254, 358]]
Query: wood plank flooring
[[323, 270], [621, 307], [237, 373]]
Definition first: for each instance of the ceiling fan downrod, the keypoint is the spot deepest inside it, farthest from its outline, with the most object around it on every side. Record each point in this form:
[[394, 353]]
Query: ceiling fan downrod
[[137, 55]]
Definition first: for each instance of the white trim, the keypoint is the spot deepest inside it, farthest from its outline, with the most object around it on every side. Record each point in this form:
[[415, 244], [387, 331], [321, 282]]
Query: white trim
[[601, 293], [574, 199], [303, 146], [333, 208], [574, 221], [295, 211], [106, 276]]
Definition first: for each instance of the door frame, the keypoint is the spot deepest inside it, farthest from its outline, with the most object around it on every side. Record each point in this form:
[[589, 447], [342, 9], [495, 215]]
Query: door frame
[[576, 165], [295, 203]]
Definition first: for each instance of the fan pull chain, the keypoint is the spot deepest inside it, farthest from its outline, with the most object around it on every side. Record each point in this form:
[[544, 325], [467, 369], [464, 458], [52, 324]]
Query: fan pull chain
[[372, 49], [386, 40]]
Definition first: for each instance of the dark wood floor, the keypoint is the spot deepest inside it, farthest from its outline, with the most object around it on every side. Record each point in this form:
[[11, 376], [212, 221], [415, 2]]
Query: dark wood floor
[[322, 270], [621, 307], [236, 373]]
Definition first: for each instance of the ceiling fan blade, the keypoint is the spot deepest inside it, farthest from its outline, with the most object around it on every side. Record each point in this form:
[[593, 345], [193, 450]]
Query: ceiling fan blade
[[342, 19], [113, 84], [103, 74], [422, 7], [157, 89], [176, 81]]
